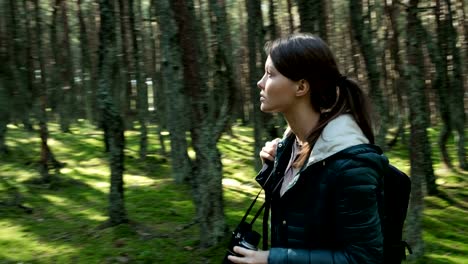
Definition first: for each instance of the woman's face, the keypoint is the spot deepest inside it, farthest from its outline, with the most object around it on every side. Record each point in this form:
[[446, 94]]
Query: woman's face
[[278, 93]]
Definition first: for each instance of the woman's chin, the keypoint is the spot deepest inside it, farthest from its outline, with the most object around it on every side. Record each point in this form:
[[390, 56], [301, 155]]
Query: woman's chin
[[265, 109]]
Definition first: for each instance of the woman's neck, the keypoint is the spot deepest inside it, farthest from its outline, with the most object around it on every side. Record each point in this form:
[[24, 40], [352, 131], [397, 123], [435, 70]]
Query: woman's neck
[[302, 120]]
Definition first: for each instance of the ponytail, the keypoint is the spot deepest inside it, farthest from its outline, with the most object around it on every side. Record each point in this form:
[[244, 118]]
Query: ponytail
[[349, 99]]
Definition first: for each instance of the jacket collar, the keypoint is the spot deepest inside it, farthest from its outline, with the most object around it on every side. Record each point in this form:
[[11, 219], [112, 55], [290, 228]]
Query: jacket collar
[[340, 133]]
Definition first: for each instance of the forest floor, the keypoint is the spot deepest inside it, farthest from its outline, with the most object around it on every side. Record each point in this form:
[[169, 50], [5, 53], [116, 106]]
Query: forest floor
[[61, 222]]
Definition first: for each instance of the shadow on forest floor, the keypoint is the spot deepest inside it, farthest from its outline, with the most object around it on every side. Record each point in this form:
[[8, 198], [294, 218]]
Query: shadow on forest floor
[[63, 225]]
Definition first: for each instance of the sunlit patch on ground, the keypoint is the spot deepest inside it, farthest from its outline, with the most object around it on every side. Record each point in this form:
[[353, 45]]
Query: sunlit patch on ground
[[64, 224]]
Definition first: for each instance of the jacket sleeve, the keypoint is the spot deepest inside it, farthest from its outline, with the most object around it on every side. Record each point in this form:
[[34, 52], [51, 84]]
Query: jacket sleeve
[[357, 229]]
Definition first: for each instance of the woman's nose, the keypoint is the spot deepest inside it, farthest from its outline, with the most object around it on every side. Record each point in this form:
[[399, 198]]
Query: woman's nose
[[260, 83]]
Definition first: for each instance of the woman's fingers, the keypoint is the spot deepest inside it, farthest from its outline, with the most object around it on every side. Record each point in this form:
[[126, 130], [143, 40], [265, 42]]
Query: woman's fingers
[[242, 251], [268, 152]]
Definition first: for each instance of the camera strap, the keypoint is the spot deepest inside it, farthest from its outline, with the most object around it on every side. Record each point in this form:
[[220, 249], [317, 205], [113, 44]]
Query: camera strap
[[266, 206]]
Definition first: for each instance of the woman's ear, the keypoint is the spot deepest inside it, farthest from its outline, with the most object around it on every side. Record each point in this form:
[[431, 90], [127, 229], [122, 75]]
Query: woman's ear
[[302, 87]]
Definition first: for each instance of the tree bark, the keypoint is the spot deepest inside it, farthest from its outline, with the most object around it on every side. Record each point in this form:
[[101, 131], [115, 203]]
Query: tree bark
[[87, 80], [46, 153], [173, 90], [112, 122], [127, 65], [418, 136], [6, 76], [208, 192], [399, 81], [363, 35], [27, 91], [271, 16], [457, 88], [18, 67], [290, 17], [308, 15], [142, 91], [4, 108], [255, 53], [62, 86], [156, 77]]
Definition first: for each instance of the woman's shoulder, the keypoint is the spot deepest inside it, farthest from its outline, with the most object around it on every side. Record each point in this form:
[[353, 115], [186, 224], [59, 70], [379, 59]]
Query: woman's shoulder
[[360, 161]]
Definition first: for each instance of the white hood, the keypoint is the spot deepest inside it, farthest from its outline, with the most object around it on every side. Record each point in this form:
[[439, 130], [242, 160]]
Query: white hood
[[340, 133]]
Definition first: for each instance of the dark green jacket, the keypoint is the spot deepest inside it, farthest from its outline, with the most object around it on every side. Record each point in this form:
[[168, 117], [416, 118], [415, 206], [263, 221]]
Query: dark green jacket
[[331, 214]]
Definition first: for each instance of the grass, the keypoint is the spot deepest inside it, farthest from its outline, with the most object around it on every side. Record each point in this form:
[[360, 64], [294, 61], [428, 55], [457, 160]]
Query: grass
[[63, 225]]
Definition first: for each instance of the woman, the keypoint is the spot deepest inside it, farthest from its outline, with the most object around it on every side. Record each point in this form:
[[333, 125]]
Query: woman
[[326, 182]]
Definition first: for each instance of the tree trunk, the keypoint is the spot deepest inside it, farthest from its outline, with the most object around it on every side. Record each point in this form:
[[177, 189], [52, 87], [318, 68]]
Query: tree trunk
[[62, 87], [418, 136], [363, 35], [441, 82], [322, 19], [6, 76], [177, 121], [87, 81], [271, 16], [208, 192], [46, 153], [290, 17], [27, 92], [18, 67], [142, 91], [457, 89], [127, 66], [156, 77], [72, 109], [254, 42], [111, 120], [399, 81], [4, 107], [225, 72], [308, 15]]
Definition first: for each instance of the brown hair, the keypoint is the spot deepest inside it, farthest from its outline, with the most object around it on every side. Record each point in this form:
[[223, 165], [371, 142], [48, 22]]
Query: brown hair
[[305, 56]]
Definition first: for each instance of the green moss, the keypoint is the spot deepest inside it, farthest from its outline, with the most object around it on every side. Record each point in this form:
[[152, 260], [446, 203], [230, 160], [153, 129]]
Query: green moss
[[64, 226]]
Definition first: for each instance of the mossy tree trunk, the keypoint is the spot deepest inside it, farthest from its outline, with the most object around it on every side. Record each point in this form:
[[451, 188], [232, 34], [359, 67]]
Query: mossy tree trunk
[[314, 17], [112, 122], [208, 123], [6, 76], [418, 136], [142, 90], [273, 29], [290, 17], [173, 91], [362, 33], [62, 87], [126, 66], [18, 53], [393, 12], [87, 79], [27, 96], [156, 77], [46, 154], [457, 87], [255, 42]]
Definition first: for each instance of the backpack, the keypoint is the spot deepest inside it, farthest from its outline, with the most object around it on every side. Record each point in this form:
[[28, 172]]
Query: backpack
[[397, 188]]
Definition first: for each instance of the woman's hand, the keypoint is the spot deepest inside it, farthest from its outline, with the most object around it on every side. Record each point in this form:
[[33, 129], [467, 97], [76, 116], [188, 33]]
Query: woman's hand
[[268, 152], [249, 256]]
